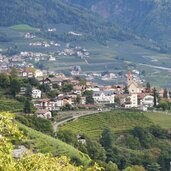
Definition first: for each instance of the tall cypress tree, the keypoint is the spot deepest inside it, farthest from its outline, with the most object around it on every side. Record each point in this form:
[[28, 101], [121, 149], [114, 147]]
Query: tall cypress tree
[[148, 87], [155, 97], [27, 106], [165, 94]]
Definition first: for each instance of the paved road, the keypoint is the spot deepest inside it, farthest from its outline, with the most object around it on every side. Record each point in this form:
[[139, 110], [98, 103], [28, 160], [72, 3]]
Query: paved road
[[74, 117], [157, 67]]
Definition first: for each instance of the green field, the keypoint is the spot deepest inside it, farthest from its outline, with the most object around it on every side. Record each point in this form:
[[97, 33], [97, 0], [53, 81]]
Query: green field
[[116, 120], [160, 119], [24, 27], [47, 144]]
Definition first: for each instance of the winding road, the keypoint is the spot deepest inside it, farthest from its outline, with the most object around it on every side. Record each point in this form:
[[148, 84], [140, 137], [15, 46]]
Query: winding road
[[74, 117]]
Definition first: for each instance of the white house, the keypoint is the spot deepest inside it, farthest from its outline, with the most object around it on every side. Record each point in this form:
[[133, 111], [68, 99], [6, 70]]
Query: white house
[[148, 101], [60, 101], [104, 97], [46, 104], [38, 73], [131, 101], [36, 93]]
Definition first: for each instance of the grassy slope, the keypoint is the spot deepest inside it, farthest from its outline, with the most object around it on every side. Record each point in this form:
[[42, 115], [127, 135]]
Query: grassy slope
[[160, 119], [118, 121], [46, 144], [24, 27]]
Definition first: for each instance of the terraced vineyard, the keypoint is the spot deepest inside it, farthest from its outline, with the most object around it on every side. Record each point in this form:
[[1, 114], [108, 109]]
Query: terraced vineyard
[[116, 120], [10, 105], [161, 119], [47, 144]]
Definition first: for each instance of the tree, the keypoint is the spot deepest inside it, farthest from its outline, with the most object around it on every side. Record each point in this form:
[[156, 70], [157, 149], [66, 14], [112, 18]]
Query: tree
[[155, 97], [148, 87], [132, 142], [117, 101], [89, 97], [45, 88], [27, 106], [37, 123], [28, 92], [164, 105], [15, 87], [67, 87], [4, 80], [14, 73], [158, 132], [52, 94], [111, 167], [95, 150], [126, 91], [145, 137], [165, 94], [107, 138], [34, 82], [78, 99], [67, 136], [67, 107]]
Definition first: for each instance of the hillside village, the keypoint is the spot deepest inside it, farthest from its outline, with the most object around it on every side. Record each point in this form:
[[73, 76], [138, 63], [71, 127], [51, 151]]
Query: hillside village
[[51, 93], [85, 85]]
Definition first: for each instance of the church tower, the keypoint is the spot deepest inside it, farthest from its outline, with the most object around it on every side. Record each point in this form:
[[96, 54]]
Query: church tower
[[129, 79]]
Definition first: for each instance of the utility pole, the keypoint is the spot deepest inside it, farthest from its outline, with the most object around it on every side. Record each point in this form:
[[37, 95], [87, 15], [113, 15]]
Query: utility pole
[[170, 166]]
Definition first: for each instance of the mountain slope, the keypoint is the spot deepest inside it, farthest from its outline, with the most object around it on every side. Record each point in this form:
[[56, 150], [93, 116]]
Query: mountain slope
[[150, 18], [41, 12]]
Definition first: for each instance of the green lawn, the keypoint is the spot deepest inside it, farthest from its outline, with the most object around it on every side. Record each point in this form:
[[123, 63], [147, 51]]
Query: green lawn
[[47, 144], [24, 27], [160, 119], [116, 120]]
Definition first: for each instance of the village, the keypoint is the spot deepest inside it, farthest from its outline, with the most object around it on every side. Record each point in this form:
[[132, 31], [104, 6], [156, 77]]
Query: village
[[56, 92]]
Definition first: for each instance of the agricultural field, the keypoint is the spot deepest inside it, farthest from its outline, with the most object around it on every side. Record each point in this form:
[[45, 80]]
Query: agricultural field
[[47, 144], [117, 120], [9, 105], [161, 119]]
